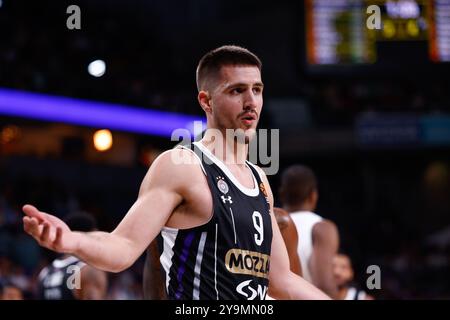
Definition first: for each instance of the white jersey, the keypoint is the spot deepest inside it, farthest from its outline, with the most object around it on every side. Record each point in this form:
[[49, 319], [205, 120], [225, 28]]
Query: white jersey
[[305, 222]]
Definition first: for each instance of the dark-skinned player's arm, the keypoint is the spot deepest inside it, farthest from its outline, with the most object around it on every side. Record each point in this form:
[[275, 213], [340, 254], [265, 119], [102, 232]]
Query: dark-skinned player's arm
[[283, 283], [162, 190], [290, 237], [93, 284], [325, 246]]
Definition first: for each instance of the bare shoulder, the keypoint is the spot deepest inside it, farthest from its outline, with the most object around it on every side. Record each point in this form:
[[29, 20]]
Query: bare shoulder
[[267, 188], [326, 230], [174, 169], [282, 217], [261, 172], [281, 212], [325, 227], [263, 176]]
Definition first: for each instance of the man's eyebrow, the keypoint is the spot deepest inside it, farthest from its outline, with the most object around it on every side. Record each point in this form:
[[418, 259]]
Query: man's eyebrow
[[243, 84]]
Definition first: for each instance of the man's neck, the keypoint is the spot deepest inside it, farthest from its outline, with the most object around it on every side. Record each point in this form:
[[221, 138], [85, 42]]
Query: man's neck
[[229, 151], [294, 208]]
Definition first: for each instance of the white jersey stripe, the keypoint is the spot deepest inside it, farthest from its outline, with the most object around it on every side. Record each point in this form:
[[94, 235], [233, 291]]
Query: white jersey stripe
[[234, 227], [198, 266], [215, 265], [169, 237]]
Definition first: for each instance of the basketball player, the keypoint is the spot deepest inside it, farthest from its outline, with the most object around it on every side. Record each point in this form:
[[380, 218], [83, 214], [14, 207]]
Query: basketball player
[[213, 209], [319, 238], [344, 275], [58, 281]]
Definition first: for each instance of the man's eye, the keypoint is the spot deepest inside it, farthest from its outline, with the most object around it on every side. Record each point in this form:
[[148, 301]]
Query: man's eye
[[237, 90], [257, 90]]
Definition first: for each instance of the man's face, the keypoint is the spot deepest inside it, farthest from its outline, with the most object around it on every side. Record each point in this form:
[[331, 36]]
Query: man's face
[[236, 99], [342, 270]]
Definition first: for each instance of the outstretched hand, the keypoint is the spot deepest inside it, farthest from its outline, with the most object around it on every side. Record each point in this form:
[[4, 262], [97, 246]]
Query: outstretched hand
[[49, 231]]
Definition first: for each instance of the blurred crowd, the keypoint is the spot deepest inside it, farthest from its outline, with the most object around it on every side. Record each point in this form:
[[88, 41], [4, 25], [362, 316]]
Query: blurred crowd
[[148, 66]]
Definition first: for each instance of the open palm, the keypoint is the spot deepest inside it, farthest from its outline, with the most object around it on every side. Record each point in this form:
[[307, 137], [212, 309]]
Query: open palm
[[48, 230]]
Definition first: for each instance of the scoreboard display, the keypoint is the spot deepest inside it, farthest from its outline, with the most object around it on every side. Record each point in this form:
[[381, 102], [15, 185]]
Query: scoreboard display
[[342, 31]]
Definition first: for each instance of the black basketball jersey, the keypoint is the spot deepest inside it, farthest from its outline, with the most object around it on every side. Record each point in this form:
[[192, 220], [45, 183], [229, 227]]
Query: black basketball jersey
[[57, 281], [227, 258]]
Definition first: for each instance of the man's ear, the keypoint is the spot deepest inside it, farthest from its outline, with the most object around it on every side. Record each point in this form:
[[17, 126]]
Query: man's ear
[[205, 101]]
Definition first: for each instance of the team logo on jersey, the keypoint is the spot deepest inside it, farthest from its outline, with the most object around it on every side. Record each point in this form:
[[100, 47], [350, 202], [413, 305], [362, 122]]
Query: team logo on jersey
[[247, 289], [263, 189], [223, 186], [247, 262], [225, 199]]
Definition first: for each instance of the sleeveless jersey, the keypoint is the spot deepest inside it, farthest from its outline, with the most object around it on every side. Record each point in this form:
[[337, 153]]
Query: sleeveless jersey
[[54, 281], [305, 222], [226, 258]]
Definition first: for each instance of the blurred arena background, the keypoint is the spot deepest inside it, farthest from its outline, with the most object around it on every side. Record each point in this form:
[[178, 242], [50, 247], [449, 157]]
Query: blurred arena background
[[367, 110]]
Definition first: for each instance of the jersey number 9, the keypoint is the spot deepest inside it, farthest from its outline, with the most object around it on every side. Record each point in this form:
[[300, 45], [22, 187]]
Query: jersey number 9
[[258, 224]]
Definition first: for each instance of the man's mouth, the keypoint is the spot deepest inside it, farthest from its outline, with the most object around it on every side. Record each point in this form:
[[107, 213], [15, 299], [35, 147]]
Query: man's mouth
[[248, 118]]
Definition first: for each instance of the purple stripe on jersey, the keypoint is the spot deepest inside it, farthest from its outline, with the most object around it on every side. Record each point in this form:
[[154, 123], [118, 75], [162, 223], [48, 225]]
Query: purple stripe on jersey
[[183, 258]]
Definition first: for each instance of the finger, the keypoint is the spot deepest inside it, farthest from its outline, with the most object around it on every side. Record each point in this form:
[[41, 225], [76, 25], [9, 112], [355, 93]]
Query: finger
[[45, 236], [32, 211], [54, 221], [27, 224], [58, 238], [35, 228]]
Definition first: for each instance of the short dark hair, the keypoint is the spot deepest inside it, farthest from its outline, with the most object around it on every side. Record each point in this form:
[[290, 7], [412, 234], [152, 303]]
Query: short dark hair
[[212, 61], [81, 221], [297, 184]]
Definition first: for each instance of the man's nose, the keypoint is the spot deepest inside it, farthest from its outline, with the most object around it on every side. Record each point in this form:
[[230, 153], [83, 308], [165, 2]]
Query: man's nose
[[250, 101]]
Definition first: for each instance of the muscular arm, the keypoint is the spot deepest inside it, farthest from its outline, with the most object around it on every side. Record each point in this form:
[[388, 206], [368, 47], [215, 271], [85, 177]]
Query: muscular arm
[[93, 286], [325, 246], [290, 237], [283, 283], [161, 192]]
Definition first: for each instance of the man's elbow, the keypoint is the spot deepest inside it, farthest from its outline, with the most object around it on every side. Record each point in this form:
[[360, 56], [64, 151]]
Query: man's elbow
[[279, 288], [277, 293], [116, 269], [123, 258], [121, 266]]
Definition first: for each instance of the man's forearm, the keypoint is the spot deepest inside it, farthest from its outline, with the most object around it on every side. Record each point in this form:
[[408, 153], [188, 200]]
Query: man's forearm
[[294, 287], [104, 251], [303, 290]]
